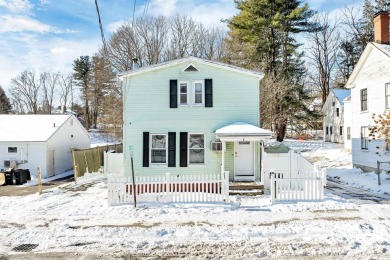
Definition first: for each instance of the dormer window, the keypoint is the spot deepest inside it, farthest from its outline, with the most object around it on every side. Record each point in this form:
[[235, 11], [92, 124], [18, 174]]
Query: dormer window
[[191, 68]]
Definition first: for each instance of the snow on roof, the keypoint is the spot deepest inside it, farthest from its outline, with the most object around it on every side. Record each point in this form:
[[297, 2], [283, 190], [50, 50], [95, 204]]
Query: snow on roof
[[385, 48], [29, 128], [191, 59], [241, 128], [341, 94], [347, 99]]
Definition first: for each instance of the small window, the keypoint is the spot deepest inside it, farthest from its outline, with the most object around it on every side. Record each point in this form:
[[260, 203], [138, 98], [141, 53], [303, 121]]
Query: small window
[[12, 149], [183, 93], [198, 92], [363, 99], [348, 133], [387, 95], [364, 137], [327, 130], [196, 148], [243, 142], [341, 130], [330, 130], [337, 111], [158, 149], [333, 104]]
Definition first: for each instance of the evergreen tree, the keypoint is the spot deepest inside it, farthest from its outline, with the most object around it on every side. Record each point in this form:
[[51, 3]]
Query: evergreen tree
[[269, 27], [5, 104], [382, 5], [82, 68]]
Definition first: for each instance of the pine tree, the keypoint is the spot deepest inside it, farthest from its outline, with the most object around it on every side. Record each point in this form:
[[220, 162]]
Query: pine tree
[[269, 27], [82, 68], [5, 104], [382, 5]]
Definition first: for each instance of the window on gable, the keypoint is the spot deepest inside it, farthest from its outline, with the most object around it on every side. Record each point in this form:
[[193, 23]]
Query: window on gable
[[198, 86], [158, 148], [387, 95], [191, 68], [196, 151], [183, 93], [12, 149], [363, 99], [337, 111], [364, 138]]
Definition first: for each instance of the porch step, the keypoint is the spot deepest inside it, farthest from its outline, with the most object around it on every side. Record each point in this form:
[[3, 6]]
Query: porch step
[[246, 188]]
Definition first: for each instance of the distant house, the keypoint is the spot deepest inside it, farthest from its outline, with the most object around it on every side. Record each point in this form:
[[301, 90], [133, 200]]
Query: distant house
[[347, 123], [333, 110], [29, 141], [193, 116], [370, 93]]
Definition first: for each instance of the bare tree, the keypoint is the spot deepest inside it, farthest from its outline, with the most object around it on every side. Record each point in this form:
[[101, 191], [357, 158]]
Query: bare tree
[[66, 91], [49, 82], [322, 51], [25, 91]]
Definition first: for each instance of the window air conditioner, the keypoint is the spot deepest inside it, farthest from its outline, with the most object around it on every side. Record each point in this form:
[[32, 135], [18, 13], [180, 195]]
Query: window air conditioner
[[10, 163]]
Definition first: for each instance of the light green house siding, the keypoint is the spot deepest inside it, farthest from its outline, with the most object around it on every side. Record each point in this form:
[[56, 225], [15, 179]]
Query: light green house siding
[[146, 109]]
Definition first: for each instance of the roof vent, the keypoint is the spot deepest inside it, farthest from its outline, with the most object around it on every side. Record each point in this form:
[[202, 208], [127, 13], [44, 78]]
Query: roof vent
[[190, 68]]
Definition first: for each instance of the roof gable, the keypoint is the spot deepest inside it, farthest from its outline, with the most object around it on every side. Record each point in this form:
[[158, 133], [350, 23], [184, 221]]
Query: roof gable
[[30, 128], [341, 94], [382, 49], [191, 61]]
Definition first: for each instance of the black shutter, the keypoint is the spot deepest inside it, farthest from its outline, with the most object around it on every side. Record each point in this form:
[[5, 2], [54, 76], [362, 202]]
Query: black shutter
[[173, 93], [208, 86], [171, 149], [183, 149], [145, 161]]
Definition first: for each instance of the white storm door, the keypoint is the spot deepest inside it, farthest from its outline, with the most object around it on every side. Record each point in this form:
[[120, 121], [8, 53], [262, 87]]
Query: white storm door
[[244, 161]]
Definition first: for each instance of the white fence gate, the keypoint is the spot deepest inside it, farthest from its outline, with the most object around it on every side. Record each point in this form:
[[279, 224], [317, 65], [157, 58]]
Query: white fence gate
[[307, 188], [168, 188], [113, 162]]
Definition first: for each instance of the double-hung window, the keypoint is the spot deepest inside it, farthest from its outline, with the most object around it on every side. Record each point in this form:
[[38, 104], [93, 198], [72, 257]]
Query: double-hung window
[[198, 88], [183, 93], [196, 151], [158, 149], [363, 99], [337, 111], [364, 137], [341, 130], [387, 95]]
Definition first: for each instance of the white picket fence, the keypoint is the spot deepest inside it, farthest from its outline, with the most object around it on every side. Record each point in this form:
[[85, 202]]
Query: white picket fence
[[168, 188], [297, 188], [113, 162]]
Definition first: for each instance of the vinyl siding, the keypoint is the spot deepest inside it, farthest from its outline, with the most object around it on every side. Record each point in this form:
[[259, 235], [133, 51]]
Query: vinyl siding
[[146, 103]]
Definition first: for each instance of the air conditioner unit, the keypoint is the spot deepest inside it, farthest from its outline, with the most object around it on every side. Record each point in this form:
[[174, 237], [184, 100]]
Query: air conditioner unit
[[9, 163], [216, 146]]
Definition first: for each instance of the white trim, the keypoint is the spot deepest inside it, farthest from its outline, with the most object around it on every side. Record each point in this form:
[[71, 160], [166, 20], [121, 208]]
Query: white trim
[[179, 93], [193, 93], [188, 149], [150, 148]]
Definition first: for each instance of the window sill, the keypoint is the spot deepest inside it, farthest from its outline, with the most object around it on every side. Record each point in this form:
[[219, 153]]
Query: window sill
[[197, 165], [198, 105], [158, 164], [364, 112], [364, 150]]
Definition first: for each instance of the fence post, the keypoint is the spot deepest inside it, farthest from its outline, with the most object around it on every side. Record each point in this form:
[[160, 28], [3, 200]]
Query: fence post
[[39, 180], [226, 185], [272, 187], [323, 177], [167, 183]]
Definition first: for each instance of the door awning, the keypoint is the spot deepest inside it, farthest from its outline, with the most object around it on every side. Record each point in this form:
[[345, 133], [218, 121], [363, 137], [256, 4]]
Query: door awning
[[241, 131]]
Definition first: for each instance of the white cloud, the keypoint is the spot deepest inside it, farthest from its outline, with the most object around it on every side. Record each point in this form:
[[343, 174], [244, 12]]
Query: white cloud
[[112, 27], [10, 23], [17, 6]]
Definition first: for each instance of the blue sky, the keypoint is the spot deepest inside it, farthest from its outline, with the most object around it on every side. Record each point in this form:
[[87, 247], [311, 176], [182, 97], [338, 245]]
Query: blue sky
[[50, 34]]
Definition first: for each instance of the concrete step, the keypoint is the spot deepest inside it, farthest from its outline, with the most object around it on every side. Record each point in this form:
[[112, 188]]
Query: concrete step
[[245, 186], [253, 192]]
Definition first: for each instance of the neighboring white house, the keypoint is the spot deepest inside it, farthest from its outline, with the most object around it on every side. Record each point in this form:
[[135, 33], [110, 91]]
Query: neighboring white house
[[333, 111], [370, 93], [347, 123], [29, 141]]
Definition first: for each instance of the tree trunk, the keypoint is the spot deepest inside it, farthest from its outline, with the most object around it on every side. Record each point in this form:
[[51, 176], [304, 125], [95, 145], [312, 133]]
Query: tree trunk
[[281, 128]]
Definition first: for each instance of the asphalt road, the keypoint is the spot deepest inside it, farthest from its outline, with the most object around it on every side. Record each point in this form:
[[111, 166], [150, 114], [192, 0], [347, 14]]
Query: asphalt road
[[355, 195]]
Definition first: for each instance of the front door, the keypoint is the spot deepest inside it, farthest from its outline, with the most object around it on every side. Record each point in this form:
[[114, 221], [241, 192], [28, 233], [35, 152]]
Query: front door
[[244, 161]]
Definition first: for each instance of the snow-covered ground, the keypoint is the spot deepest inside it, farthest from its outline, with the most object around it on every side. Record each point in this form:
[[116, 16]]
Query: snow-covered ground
[[76, 218], [99, 138]]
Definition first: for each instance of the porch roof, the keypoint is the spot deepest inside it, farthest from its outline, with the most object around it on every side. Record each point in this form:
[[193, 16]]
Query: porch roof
[[244, 131]]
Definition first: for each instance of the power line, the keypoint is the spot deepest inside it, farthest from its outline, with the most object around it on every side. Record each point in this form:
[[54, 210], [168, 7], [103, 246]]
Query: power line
[[135, 2], [101, 28], [146, 7]]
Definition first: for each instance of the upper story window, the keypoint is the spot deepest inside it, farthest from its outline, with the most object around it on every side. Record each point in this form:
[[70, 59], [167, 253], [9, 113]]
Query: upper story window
[[364, 138], [337, 111], [183, 93], [198, 92], [158, 148], [387, 95], [196, 148], [12, 149], [363, 99]]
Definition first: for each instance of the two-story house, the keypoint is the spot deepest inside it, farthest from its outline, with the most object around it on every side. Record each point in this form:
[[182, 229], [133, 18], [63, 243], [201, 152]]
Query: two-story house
[[370, 93], [192, 116], [333, 111]]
